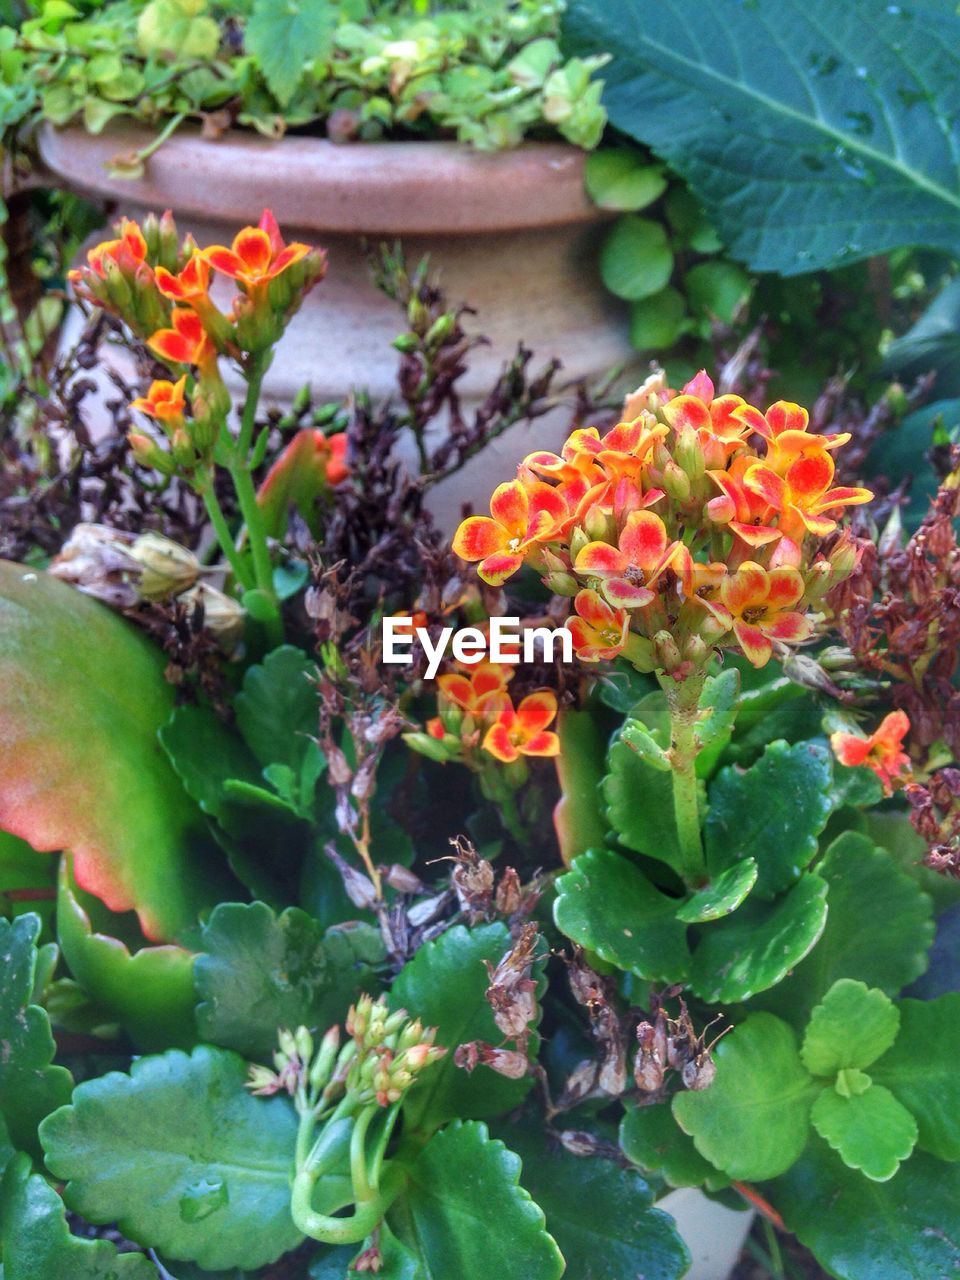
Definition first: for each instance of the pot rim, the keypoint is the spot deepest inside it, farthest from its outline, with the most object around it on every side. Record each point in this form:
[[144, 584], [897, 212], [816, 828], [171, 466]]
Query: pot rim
[[318, 185]]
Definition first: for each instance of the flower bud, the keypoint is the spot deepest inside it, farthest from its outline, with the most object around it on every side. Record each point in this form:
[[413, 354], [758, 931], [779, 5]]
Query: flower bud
[[666, 650], [442, 750], [223, 616], [166, 567], [578, 540], [304, 1042], [287, 1043], [688, 453], [599, 525], [562, 584], [676, 482], [322, 1067], [147, 453]]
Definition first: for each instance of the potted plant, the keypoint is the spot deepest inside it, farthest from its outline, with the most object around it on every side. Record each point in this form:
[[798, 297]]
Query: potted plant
[[311, 1034]]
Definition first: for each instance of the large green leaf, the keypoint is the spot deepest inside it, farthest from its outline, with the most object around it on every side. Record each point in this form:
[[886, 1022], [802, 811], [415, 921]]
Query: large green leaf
[[772, 812], [278, 708], [606, 904], [445, 985], [652, 1139], [639, 801], [259, 971], [82, 696], [879, 926], [463, 1207], [753, 1121], [870, 1131], [755, 948], [599, 1213], [30, 1087], [182, 1158], [904, 1229], [284, 38], [815, 133], [149, 990], [37, 1242], [922, 1071]]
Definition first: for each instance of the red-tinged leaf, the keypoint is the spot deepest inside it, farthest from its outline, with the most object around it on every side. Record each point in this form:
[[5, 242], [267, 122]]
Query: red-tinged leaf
[[82, 696], [297, 479]]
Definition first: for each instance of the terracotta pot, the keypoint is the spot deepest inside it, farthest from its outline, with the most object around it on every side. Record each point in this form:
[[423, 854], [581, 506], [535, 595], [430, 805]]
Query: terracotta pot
[[512, 233]]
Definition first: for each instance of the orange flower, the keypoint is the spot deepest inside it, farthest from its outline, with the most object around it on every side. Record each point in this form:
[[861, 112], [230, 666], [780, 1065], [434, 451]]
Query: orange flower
[[627, 571], [599, 631], [521, 516], [522, 731], [165, 400], [473, 693], [785, 428], [745, 512], [712, 418], [882, 751], [187, 342], [191, 285], [803, 495], [257, 254], [127, 250], [757, 604]]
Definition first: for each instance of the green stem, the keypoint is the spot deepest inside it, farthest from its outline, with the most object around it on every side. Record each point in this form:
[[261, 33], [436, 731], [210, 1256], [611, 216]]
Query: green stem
[[241, 570], [683, 700], [350, 1230], [358, 1155]]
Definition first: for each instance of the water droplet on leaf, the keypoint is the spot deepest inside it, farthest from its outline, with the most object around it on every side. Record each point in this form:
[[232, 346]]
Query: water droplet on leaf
[[202, 1198]]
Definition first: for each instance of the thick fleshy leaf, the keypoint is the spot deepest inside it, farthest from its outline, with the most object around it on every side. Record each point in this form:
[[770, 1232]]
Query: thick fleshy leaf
[[149, 990], [921, 1071], [722, 895], [870, 1131], [639, 801], [759, 944], [599, 1214], [772, 812], [181, 1157], [578, 817], [904, 1229], [37, 1241], [851, 1027], [718, 711], [82, 696], [860, 113], [445, 986], [638, 739], [606, 904], [879, 926], [636, 260], [652, 1139], [753, 1121], [620, 178], [464, 1203], [259, 971], [30, 1087]]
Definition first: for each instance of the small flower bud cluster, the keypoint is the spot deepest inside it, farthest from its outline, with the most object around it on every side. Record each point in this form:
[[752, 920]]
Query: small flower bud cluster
[[391, 1051], [160, 288], [694, 524]]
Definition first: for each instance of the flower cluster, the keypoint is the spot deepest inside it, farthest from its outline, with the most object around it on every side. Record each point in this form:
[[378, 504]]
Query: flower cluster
[[694, 524], [160, 287]]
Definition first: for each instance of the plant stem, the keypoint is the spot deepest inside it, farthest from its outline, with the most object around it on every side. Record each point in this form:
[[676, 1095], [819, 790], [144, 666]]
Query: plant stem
[[241, 570], [683, 699]]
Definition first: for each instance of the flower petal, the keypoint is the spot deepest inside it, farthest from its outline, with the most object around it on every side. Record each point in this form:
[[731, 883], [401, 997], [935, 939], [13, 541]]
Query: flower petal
[[644, 540], [510, 506], [755, 645], [252, 247], [626, 595], [600, 558], [594, 611], [458, 689], [224, 260], [765, 482], [477, 537], [789, 627], [687, 411], [787, 416], [746, 587], [849, 748], [536, 711], [785, 587], [496, 569], [809, 476], [498, 743], [541, 744]]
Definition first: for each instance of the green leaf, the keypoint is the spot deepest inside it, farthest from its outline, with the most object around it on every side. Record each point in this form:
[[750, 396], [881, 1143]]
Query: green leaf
[[22, 868], [717, 288], [148, 990], [722, 895], [636, 261], [445, 985], [851, 1027], [719, 704], [606, 904], [904, 1229], [259, 971], [639, 802], [30, 1087], [772, 812], [206, 754], [182, 1157], [579, 816], [652, 1139], [175, 29], [858, 786], [646, 747], [753, 1121], [620, 178], [879, 927], [870, 1131], [37, 1241], [860, 112], [932, 343], [82, 772], [658, 321], [921, 1070], [599, 1214], [463, 1203], [277, 708], [757, 946], [284, 38]]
